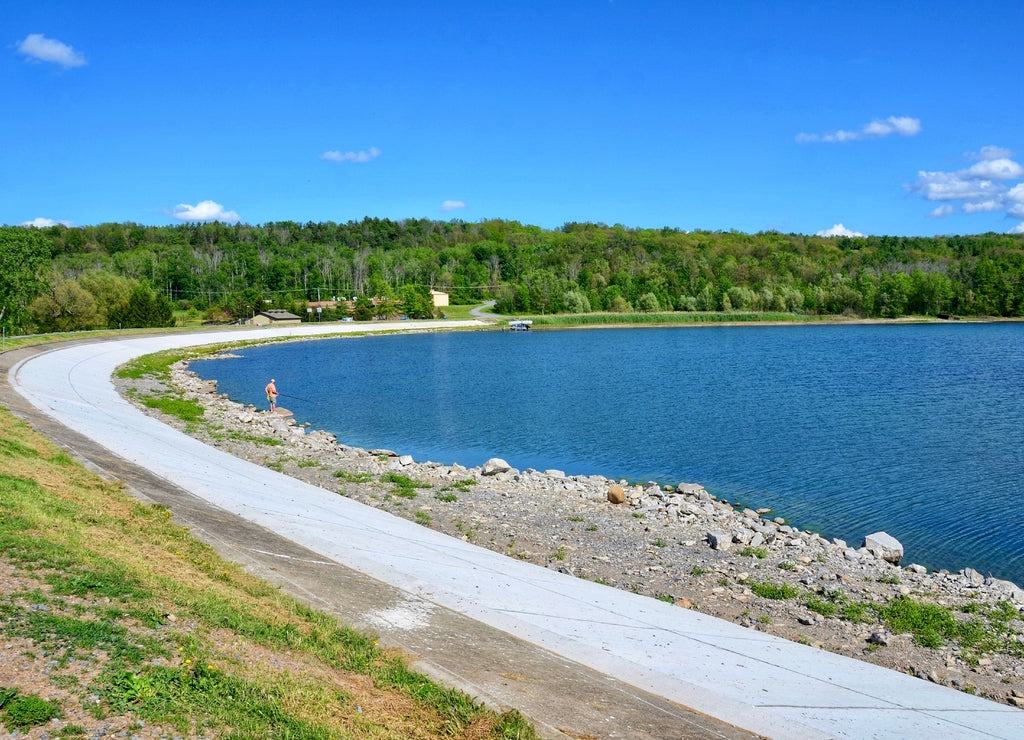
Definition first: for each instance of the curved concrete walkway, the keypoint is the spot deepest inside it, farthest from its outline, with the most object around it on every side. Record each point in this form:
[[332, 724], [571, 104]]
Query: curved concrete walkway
[[616, 650]]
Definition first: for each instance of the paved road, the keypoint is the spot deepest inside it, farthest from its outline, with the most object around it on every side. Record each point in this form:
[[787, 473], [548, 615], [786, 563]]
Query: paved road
[[579, 658]]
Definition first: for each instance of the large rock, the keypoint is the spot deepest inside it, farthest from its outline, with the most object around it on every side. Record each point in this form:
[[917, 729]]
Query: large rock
[[1007, 588], [494, 466], [884, 546], [719, 540], [616, 495]]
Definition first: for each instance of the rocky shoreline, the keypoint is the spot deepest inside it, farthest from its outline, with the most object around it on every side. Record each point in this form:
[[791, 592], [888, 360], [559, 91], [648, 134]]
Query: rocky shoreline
[[677, 544]]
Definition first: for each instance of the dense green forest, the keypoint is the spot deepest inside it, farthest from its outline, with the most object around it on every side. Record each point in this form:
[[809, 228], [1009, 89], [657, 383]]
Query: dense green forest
[[110, 275]]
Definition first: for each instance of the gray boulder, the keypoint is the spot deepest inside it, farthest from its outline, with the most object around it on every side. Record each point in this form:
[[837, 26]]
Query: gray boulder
[[884, 546], [494, 466]]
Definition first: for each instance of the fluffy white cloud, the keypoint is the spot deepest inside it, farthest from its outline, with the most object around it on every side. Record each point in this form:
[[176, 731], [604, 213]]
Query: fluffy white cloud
[[839, 230], [451, 205], [43, 223], [363, 156], [37, 47], [877, 129], [983, 187], [204, 211], [954, 186], [996, 169]]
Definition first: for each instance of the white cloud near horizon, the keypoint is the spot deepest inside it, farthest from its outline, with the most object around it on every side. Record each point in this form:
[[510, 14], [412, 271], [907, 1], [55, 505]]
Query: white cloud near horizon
[[983, 187], [358, 157], [877, 129], [38, 48], [451, 205], [205, 212], [839, 230], [43, 223]]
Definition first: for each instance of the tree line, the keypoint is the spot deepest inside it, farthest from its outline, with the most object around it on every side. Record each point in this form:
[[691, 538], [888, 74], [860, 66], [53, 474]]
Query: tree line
[[109, 275]]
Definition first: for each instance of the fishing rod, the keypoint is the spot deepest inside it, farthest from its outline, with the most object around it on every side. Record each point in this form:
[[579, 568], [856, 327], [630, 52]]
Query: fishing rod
[[304, 400]]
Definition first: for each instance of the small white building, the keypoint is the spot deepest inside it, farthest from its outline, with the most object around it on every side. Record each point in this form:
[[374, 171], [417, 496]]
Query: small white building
[[440, 299]]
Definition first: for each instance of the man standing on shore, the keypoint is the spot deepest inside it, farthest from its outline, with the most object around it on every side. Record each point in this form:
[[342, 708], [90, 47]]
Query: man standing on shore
[[271, 390]]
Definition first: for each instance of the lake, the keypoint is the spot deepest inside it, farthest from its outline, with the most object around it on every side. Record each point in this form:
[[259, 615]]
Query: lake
[[916, 430]]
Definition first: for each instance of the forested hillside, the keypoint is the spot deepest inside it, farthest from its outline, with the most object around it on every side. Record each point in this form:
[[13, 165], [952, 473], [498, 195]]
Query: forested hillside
[[61, 278]]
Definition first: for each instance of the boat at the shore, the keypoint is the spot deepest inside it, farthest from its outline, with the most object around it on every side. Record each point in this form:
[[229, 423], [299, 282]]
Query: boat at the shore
[[519, 325]]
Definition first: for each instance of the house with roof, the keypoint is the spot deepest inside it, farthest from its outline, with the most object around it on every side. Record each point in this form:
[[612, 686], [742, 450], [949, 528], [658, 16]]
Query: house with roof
[[274, 316]]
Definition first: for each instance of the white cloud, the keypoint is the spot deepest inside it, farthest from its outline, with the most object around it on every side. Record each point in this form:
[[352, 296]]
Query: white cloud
[[452, 205], [43, 223], [954, 186], [41, 49], [877, 129], [204, 211], [364, 156], [996, 169], [839, 230], [984, 187], [1014, 201], [1018, 229], [985, 206], [990, 152]]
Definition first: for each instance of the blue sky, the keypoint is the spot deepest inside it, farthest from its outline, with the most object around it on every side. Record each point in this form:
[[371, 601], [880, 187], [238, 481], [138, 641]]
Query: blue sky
[[867, 117]]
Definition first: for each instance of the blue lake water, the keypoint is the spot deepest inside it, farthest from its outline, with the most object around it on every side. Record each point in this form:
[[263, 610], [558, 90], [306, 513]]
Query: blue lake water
[[917, 430]]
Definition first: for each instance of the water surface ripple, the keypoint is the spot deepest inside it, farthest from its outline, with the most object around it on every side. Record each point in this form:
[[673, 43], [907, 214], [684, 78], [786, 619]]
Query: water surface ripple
[[917, 430]]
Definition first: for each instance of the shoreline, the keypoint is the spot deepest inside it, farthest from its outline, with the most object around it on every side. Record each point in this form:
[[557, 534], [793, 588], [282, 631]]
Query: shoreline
[[676, 544]]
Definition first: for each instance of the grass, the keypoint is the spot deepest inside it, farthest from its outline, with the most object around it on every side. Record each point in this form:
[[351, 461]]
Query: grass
[[463, 485], [404, 486], [19, 713], [127, 613], [185, 409], [349, 477], [772, 590]]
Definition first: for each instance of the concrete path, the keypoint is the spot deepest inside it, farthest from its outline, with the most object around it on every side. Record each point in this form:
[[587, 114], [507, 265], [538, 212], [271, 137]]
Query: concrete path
[[660, 656]]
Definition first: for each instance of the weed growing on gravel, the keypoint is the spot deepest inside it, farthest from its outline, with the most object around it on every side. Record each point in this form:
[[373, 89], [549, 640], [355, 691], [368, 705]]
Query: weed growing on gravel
[[827, 605], [757, 552], [448, 498], [186, 410], [461, 485], [933, 625], [255, 439], [404, 486], [857, 612], [23, 712], [772, 590], [348, 477]]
